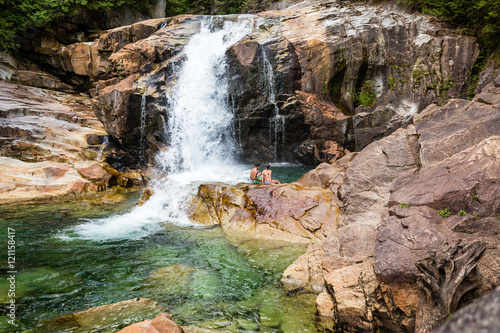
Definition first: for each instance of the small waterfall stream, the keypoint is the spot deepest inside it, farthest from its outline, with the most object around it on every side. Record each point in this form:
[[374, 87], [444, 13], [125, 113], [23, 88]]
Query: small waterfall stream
[[143, 126], [101, 149], [278, 122]]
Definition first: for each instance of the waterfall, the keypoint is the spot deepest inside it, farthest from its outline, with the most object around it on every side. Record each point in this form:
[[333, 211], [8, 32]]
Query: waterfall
[[200, 121], [278, 122], [101, 149], [143, 127], [200, 132]]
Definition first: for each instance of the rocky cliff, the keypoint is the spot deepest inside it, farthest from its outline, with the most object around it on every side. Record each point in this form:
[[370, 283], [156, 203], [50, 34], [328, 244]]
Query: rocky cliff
[[426, 191], [308, 83]]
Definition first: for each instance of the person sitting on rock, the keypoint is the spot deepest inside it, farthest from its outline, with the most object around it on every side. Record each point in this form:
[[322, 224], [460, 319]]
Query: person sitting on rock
[[255, 176], [267, 176]]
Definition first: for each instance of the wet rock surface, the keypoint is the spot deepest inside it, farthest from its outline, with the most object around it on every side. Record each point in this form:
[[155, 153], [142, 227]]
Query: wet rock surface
[[104, 316], [163, 323]]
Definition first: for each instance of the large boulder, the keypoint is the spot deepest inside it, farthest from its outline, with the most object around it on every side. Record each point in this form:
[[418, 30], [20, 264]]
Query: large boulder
[[459, 144], [347, 254], [463, 205], [286, 212]]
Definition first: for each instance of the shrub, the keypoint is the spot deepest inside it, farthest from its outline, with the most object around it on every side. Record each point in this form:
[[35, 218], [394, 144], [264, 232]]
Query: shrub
[[366, 96], [444, 213]]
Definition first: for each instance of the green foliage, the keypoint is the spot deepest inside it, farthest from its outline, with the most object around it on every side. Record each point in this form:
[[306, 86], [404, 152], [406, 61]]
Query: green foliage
[[404, 205], [475, 215], [444, 212], [367, 94], [20, 18], [475, 197], [390, 80], [462, 212]]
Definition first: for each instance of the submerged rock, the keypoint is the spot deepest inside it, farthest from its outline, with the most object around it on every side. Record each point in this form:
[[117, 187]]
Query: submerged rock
[[103, 317], [173, 279], [163, 323]]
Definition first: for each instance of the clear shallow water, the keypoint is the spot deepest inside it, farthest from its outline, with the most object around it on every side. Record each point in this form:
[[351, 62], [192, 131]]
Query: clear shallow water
[[199, 276]]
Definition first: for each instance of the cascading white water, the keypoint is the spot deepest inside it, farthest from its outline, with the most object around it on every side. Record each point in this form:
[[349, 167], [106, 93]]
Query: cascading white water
[[200, 121], [101, 149], [278, 122], [200, 132], [143, 126]]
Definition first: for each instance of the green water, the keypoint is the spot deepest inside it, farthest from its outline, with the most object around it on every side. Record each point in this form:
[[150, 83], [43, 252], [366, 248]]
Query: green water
[[197, 275], [285, 172]]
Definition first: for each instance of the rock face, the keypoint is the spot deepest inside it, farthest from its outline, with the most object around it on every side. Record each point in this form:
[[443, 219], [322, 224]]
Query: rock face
[[285, 212], [120, 105], [429, 188], [25, 73], [374, 62], [44, 146], [38, 125]]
